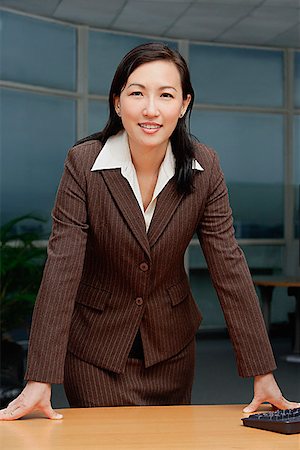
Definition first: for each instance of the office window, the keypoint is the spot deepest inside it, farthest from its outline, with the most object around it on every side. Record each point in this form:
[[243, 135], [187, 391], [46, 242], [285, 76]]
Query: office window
[[236, 76], [34, 142], [297, 175], [297, 80], [250, 148], [105, 53], [98, 115], [37, 52]]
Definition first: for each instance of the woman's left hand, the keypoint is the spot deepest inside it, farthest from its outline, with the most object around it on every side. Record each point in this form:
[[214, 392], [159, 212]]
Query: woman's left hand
[[267, 390]]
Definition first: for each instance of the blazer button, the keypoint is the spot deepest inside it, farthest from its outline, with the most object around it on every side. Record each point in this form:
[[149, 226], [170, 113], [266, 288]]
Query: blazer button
[[139, 301], [144, 266]]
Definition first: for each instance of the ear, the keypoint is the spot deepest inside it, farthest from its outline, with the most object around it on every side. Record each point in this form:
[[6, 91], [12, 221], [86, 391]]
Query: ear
[[117, 105], [185, 103]]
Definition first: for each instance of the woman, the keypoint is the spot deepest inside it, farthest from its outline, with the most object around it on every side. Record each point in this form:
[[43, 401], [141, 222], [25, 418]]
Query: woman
[[115, 319]]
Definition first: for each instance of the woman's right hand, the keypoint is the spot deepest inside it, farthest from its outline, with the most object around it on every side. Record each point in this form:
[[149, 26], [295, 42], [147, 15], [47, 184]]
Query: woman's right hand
[[35, 396]]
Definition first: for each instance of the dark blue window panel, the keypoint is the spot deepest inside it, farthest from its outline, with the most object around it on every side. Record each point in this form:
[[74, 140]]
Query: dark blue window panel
[[297, 79], [250, 148], [36, 132], [237, 76], [37, 52], [105, 53], [98, 115], [297, 177]]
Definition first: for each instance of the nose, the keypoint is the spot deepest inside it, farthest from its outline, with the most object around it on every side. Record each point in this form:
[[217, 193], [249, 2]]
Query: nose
[[151, 109]]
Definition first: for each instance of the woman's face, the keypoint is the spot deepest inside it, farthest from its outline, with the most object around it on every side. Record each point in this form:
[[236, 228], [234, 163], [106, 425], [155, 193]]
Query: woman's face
[[150, 105]]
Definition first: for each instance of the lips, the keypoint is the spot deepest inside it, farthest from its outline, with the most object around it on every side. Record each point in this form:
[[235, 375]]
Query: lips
[[150, 125]]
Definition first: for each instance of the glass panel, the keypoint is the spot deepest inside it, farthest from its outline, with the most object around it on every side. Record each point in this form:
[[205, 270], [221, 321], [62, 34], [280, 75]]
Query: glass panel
[[261, 257], [236, 76], [105, 53], [297, 175], [297, 79], [37, 52], [98, 115], [206, 299], [250, 147], [34, 143]]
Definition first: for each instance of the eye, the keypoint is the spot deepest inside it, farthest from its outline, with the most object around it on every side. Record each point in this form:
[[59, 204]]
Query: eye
[[167, 95], [136, 94]]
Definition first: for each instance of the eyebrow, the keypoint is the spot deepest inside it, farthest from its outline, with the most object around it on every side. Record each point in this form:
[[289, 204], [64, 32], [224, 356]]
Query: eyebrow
[[144, 87]]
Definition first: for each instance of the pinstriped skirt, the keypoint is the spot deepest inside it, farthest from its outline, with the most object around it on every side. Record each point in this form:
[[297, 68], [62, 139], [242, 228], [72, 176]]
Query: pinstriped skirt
[[166, 383]]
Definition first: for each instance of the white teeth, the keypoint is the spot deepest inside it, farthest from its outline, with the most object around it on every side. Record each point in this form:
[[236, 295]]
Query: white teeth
[[149, 127]]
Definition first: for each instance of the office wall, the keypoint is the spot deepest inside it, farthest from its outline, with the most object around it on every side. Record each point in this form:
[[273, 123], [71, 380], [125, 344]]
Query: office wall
[[54, 81]]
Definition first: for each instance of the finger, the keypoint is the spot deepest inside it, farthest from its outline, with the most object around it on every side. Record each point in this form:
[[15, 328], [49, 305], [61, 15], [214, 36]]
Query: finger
[[12, 414], [3, 414], [17, 401], [50, 413], [6, 413], [253, 406], [14, 402], [283, 403]]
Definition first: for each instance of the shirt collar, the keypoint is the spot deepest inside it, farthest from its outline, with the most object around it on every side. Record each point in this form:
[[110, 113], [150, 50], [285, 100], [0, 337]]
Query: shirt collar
[[115, 154]]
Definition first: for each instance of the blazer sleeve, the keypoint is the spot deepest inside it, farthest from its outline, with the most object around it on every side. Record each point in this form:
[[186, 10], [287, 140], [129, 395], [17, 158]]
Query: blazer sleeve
[[232, 280], [62, 273]]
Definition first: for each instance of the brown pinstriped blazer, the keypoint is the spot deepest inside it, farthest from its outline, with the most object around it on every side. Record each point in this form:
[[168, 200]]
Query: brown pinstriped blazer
[[105, 276]]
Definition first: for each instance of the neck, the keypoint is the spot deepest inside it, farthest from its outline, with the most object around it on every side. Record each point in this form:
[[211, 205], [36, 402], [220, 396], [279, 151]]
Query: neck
[[147, 160]]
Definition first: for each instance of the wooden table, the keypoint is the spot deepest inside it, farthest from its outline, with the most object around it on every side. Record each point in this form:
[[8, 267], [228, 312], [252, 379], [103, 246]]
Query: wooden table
[[266, 287], [210, 427]]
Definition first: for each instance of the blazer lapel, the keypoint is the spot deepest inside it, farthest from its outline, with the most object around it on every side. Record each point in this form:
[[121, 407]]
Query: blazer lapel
[[167, 203], [128, 205]]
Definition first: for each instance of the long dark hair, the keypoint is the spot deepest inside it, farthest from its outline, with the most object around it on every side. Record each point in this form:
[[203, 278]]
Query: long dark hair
[[181, 140]]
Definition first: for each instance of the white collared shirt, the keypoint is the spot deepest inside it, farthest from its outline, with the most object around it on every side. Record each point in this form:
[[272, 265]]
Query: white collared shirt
[[115, 154]]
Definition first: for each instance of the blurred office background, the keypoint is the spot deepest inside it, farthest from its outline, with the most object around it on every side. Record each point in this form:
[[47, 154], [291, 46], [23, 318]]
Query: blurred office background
[[57, 60]]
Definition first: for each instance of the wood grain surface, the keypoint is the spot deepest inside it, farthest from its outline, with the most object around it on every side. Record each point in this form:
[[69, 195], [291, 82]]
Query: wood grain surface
[[170, 427]]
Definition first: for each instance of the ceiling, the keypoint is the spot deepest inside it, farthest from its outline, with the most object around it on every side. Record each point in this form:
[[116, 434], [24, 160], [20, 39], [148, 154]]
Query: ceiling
[[253, 22]]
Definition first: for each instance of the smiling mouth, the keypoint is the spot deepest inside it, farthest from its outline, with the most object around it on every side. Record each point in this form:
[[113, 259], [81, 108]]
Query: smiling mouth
[[150, 126]]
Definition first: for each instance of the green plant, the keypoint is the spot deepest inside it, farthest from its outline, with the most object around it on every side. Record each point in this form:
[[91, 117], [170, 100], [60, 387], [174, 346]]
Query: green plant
[[22, 261]]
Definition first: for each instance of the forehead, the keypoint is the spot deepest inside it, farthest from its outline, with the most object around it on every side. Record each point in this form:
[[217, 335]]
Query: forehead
[[158, 72]]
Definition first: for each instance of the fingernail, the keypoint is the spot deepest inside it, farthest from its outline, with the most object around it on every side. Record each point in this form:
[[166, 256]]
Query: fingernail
[[58, 416]]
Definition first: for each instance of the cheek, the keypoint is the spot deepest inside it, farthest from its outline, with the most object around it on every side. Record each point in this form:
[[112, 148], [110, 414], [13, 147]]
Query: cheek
[[172, 110], [129, 110], [172, 115], [127, 114]]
